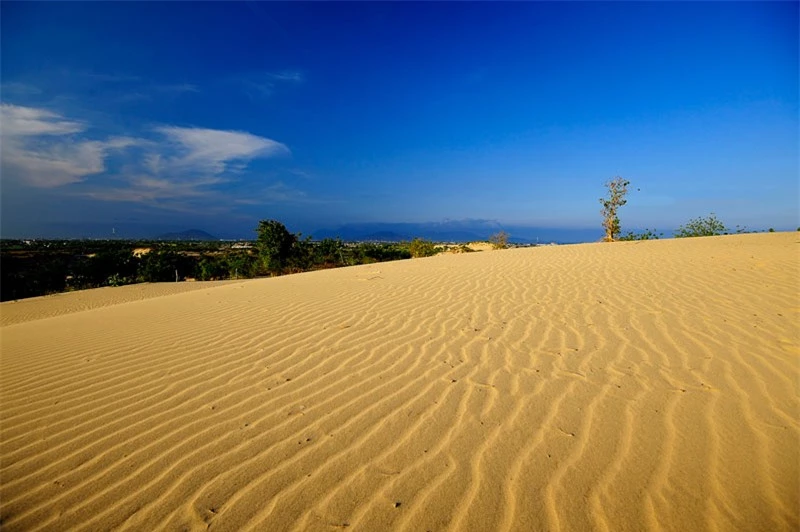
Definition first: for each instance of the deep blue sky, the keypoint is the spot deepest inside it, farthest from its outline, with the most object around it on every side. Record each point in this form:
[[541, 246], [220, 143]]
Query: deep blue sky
[[150, 116]]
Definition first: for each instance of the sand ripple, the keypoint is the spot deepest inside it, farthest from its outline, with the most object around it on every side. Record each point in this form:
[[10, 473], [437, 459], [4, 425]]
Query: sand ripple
[[629, 386]]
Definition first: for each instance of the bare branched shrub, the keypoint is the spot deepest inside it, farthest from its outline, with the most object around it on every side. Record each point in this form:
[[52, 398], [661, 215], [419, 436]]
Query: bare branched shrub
[[617, 190], [499, 240]]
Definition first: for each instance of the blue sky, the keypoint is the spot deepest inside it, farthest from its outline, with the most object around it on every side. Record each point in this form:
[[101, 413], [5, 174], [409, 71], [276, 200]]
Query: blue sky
[[162, 116]]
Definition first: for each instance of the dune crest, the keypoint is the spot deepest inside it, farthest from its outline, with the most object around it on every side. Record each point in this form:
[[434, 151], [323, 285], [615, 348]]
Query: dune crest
[[624, 386]]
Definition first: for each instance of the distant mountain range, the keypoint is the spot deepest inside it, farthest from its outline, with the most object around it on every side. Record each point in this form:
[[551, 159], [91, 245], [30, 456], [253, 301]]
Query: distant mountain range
[[190, 234], [468, 230], [455, 231]]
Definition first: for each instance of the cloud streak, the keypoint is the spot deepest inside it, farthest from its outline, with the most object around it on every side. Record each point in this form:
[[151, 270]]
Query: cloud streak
[[18, 121], [164, 166], [214, 151], [287, 75], [42, 146], [190, 162]]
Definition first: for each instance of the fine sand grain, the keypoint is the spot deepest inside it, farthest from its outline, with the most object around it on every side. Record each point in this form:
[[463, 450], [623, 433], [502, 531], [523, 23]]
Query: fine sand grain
[[626, 386]]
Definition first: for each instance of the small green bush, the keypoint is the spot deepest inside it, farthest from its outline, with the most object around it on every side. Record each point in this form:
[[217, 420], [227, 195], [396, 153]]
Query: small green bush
[[708, 226], [647, 234], [211, 268], [422, 248], [118, 280]]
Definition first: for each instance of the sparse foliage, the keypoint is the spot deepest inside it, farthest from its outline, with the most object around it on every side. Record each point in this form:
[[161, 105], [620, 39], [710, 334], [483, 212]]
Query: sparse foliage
[[301, 256], [118, 280], [708, 226], [647, 234], [160, 266], [422, 248], [369, 252], [329, 253], [242, 265], [617, 190], [499, 240]]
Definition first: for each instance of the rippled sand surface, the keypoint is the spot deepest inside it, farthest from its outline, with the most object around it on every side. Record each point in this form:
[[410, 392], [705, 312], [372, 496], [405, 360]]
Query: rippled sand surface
[[626, 386]]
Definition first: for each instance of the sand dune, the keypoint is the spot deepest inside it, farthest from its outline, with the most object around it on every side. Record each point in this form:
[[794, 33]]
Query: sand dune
[[37, 308], [627, 386]]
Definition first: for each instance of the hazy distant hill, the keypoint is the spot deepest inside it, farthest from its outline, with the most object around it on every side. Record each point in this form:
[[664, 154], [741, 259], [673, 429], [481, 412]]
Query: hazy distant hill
[[191, 234], [455, 231]]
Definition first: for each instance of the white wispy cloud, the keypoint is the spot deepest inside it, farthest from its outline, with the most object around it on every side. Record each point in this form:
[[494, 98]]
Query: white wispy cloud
[[45, 149], [42, 145], [287, 75], [189, 163], [18, 121], [213, 150], [58, 165], [149, 189]]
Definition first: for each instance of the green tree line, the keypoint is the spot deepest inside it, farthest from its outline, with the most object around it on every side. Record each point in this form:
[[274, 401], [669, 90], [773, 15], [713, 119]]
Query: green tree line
[[34, 268]]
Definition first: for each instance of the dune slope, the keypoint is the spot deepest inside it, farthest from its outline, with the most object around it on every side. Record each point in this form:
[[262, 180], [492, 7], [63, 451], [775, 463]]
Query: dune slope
[[625, 386]]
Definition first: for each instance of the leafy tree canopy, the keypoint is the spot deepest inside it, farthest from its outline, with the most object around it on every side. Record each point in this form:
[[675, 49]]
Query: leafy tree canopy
[[274, 245]]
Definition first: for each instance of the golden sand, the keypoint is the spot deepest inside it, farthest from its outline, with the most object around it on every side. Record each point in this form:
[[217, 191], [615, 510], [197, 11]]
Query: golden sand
[[626, 386]]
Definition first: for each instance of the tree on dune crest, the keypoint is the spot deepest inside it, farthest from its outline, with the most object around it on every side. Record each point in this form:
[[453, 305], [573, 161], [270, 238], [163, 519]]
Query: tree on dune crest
[[617, 190]]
